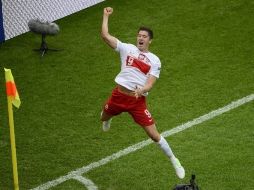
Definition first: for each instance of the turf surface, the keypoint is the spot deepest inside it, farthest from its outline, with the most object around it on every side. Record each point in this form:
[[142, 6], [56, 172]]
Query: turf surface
[[207, 54]]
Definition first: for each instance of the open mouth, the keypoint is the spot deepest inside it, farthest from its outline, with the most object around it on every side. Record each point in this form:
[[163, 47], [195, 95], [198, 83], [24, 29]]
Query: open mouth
[[141, 43]]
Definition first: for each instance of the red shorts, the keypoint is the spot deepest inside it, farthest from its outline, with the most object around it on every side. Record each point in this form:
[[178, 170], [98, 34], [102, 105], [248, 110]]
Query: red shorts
[[120, 102]]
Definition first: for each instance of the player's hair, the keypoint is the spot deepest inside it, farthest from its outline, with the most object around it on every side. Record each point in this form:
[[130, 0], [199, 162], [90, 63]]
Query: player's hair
[[148, 30]]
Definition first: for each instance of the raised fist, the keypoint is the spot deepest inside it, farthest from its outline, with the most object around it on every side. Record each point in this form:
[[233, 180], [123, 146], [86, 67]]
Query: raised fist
[[108, 11]]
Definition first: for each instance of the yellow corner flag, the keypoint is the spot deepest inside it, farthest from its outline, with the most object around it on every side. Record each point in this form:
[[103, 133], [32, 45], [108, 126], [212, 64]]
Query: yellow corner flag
[[11, 89], [12, 98]]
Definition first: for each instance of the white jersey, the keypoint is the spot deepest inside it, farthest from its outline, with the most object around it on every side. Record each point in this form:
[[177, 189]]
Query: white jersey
[[136, 66]]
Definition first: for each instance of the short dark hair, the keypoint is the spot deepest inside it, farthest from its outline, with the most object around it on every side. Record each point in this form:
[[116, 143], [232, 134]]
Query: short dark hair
[[148, 30]]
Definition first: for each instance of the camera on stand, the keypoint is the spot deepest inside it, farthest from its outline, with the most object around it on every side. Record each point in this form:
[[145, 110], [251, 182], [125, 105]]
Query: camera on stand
[[191, 186]]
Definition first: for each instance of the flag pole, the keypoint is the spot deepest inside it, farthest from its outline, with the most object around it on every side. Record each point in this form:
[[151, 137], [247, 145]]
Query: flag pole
[[13, 145]]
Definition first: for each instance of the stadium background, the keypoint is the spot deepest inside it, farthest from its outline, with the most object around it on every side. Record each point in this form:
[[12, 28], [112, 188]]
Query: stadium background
[[16, 14]]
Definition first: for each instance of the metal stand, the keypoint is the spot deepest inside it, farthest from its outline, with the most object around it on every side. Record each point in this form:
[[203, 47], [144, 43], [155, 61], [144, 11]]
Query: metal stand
[[44, 47]]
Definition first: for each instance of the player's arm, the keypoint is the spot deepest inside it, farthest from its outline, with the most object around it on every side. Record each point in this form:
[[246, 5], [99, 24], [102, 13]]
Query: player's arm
[[110, 40], [148, 86]]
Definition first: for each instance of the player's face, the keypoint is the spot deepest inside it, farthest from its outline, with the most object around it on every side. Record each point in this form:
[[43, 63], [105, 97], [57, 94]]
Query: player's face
[[143, 41]]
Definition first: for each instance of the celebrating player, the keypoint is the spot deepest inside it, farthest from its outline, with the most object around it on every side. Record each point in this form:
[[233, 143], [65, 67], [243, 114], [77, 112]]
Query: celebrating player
[[139, 71]]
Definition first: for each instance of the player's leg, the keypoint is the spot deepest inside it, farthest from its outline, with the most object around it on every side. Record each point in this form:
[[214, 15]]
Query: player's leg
[[143, 117], [106, 120], [113, 106], [152, 132], [105, 116]]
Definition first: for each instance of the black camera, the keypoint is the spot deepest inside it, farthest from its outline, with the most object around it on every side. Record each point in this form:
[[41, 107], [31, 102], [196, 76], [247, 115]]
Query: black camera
[[191, 186]]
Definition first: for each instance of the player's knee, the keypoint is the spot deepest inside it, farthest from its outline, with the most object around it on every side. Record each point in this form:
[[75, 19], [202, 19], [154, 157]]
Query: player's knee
[[155, 138], [152, 133], [105, 116]]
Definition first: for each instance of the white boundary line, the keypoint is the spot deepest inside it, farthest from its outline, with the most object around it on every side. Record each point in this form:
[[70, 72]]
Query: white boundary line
[[135, 147], [87, 182]]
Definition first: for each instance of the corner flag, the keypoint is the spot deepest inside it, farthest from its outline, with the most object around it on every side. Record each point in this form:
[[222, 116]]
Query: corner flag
[[11, 89], [12, 99]]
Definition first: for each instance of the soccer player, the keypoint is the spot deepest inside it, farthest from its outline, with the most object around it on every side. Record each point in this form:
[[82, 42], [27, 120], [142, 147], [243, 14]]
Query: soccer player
[[139, 71]]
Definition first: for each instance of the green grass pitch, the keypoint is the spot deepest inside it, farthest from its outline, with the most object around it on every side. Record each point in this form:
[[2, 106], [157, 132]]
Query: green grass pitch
[[207, 54]]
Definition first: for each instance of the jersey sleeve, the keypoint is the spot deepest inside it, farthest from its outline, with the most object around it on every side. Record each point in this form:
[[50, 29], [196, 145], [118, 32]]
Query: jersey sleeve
[[156, 68], [120, 47]]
